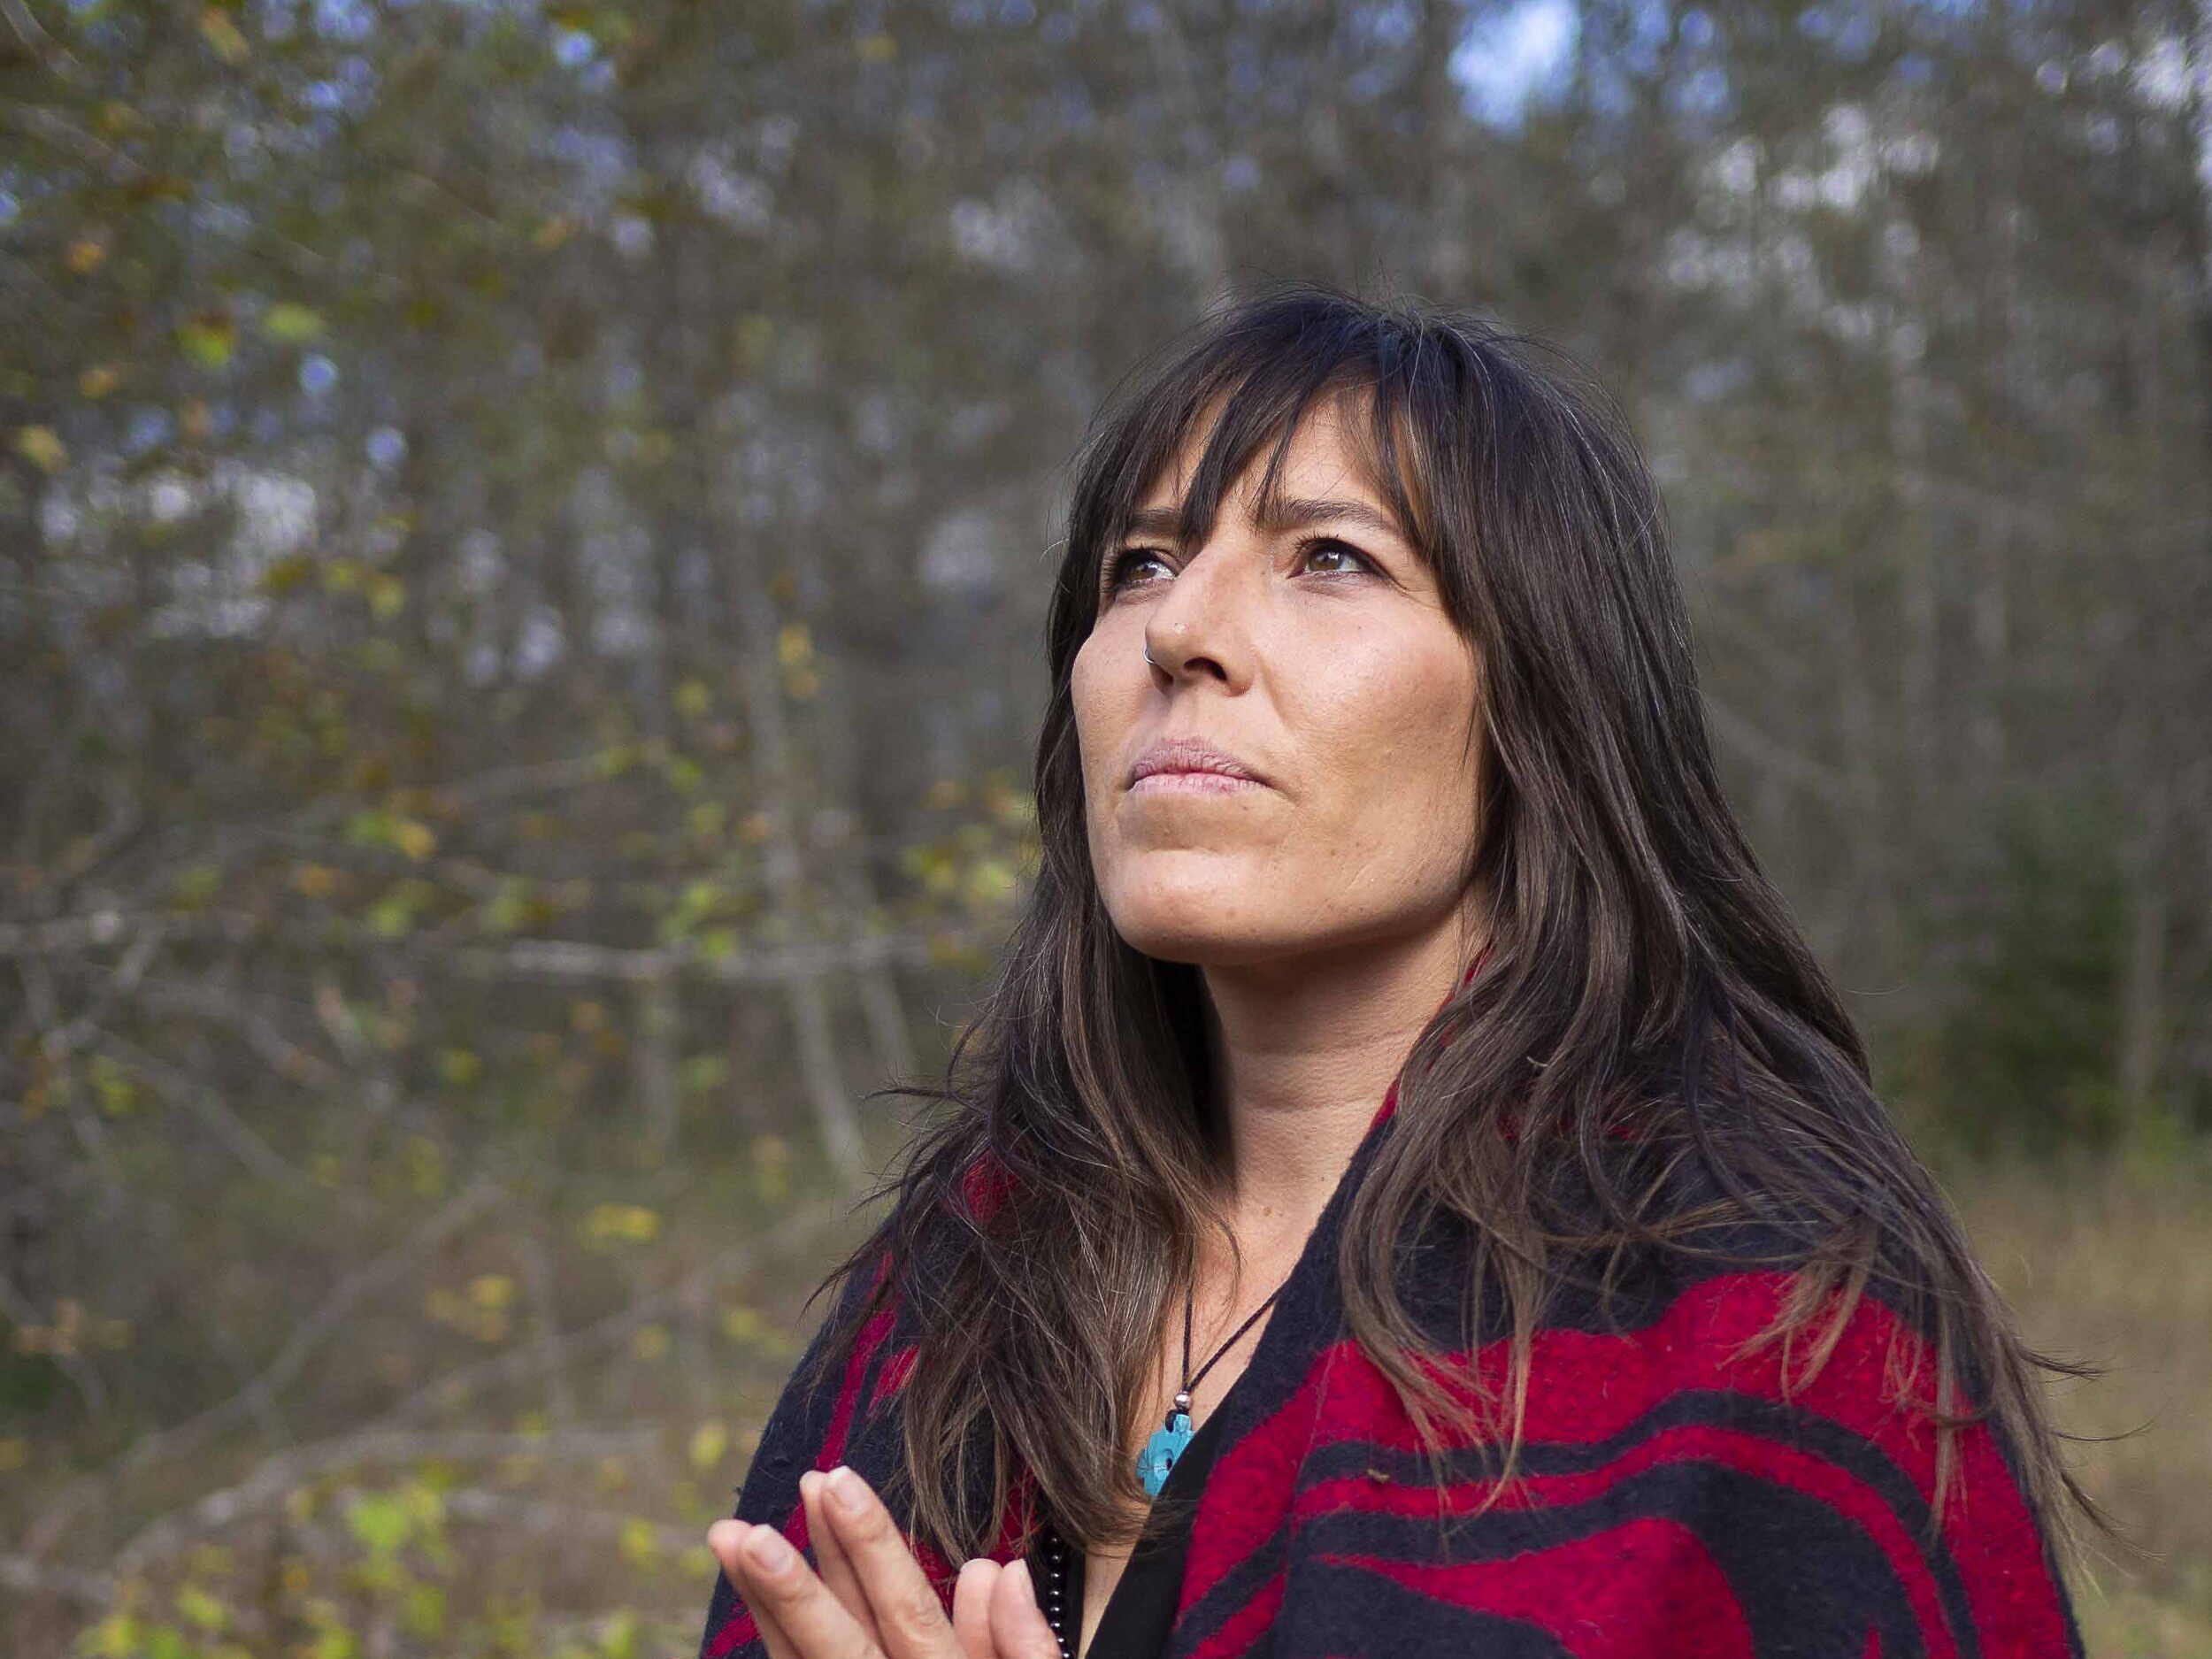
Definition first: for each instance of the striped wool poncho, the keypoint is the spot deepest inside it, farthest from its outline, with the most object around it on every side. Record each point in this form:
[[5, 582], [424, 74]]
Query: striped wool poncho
[[1670, 1499]]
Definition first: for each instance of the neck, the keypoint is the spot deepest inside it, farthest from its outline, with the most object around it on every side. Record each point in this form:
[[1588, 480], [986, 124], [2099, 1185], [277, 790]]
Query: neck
[[1304, 1052]]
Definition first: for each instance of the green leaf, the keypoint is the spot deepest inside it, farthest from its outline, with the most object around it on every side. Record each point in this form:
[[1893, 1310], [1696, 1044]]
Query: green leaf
[[382, 1523], [201, 1608], [208, 341]]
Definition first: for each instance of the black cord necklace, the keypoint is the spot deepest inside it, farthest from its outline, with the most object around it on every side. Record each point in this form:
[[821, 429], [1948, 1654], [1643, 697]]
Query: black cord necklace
[[1167, 1443]]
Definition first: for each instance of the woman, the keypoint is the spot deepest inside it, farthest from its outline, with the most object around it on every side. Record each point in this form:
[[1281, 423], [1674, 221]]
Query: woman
[[1416, 1193]]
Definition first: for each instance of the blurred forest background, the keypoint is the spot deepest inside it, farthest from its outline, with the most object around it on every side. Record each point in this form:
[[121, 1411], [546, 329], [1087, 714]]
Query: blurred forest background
[[524, 539]]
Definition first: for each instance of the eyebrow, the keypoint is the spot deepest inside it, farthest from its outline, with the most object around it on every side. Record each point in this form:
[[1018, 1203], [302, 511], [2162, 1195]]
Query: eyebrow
[[1290, 514]]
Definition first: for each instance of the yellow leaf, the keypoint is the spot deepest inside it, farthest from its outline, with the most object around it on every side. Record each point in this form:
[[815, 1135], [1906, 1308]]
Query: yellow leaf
[[114, 1637], [86, 253], [99, 380], [793, 644], [709, 1441], [426, 1610], [289, 321], [425, 1162], [316, 881], [492, 1290], [42, 448], [619, 1637], [640, 1543], [221, 33], [754, 337], [628, 1223], [417, 840], [992, 881]]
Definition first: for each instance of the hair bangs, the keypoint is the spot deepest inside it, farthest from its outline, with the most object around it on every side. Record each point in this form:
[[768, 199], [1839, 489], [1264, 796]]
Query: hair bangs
[[1256, 392]]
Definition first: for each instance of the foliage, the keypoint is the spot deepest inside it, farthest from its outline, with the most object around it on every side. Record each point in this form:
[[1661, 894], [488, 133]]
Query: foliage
[[523, 537]]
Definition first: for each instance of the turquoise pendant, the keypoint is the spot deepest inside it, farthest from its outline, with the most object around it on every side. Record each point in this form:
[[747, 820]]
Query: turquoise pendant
[[1161, 1451]]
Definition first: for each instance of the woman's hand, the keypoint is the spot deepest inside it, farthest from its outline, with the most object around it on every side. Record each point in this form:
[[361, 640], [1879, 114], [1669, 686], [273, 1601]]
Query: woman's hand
[[872, 1598]]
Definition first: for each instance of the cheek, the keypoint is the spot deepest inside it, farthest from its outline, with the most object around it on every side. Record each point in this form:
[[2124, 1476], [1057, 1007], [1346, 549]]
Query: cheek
[[1398, 724], [1446, 720], [1099, 721]]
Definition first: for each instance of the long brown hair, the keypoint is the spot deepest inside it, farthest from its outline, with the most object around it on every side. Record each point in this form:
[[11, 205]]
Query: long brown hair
[[1638, 953]]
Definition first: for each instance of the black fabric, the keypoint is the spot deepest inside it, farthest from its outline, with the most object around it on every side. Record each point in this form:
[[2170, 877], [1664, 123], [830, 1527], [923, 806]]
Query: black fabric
[[1142, 1610]]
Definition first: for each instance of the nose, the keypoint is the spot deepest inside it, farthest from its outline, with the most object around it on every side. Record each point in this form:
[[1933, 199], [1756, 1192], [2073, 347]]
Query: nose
[[1202, 624]]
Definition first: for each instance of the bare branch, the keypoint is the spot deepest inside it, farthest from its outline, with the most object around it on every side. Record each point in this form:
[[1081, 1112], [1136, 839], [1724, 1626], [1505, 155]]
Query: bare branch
[[195, 1433]]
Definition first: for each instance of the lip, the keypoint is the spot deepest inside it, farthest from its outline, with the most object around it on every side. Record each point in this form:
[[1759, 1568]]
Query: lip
[[1191, 759]]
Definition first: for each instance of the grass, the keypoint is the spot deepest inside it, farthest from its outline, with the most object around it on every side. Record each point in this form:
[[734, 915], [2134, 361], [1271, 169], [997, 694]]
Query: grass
[[2102, 1259]]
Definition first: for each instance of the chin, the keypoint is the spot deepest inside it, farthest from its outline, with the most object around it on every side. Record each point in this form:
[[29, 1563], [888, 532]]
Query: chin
[[1196, 925]]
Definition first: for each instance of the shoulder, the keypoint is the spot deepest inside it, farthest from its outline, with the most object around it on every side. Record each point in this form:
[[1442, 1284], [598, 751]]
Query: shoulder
[[1740, 1426], [1686, 1445], [1801, 1458]]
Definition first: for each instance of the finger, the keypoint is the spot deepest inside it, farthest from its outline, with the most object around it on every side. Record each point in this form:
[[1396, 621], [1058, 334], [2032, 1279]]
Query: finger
[[727, 1540], [972, 1606], [835, 1566], [1019, 1627], [911, 1621], [814, 1622]]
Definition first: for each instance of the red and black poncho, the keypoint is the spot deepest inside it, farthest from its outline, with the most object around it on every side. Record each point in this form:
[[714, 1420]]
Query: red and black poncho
[[1669, 1500]]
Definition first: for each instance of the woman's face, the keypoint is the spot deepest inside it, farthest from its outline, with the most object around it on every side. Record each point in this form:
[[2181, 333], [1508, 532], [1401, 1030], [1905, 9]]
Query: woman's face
[[1318, 652]]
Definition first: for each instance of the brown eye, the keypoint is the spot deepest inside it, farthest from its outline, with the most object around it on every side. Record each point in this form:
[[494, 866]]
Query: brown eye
[[1330, 544], [1119, 566]]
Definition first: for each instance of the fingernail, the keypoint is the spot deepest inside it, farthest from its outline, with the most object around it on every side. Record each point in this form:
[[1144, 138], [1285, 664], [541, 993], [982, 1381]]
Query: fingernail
[[845, 1486], [768, 1550], [1020, 1570]]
